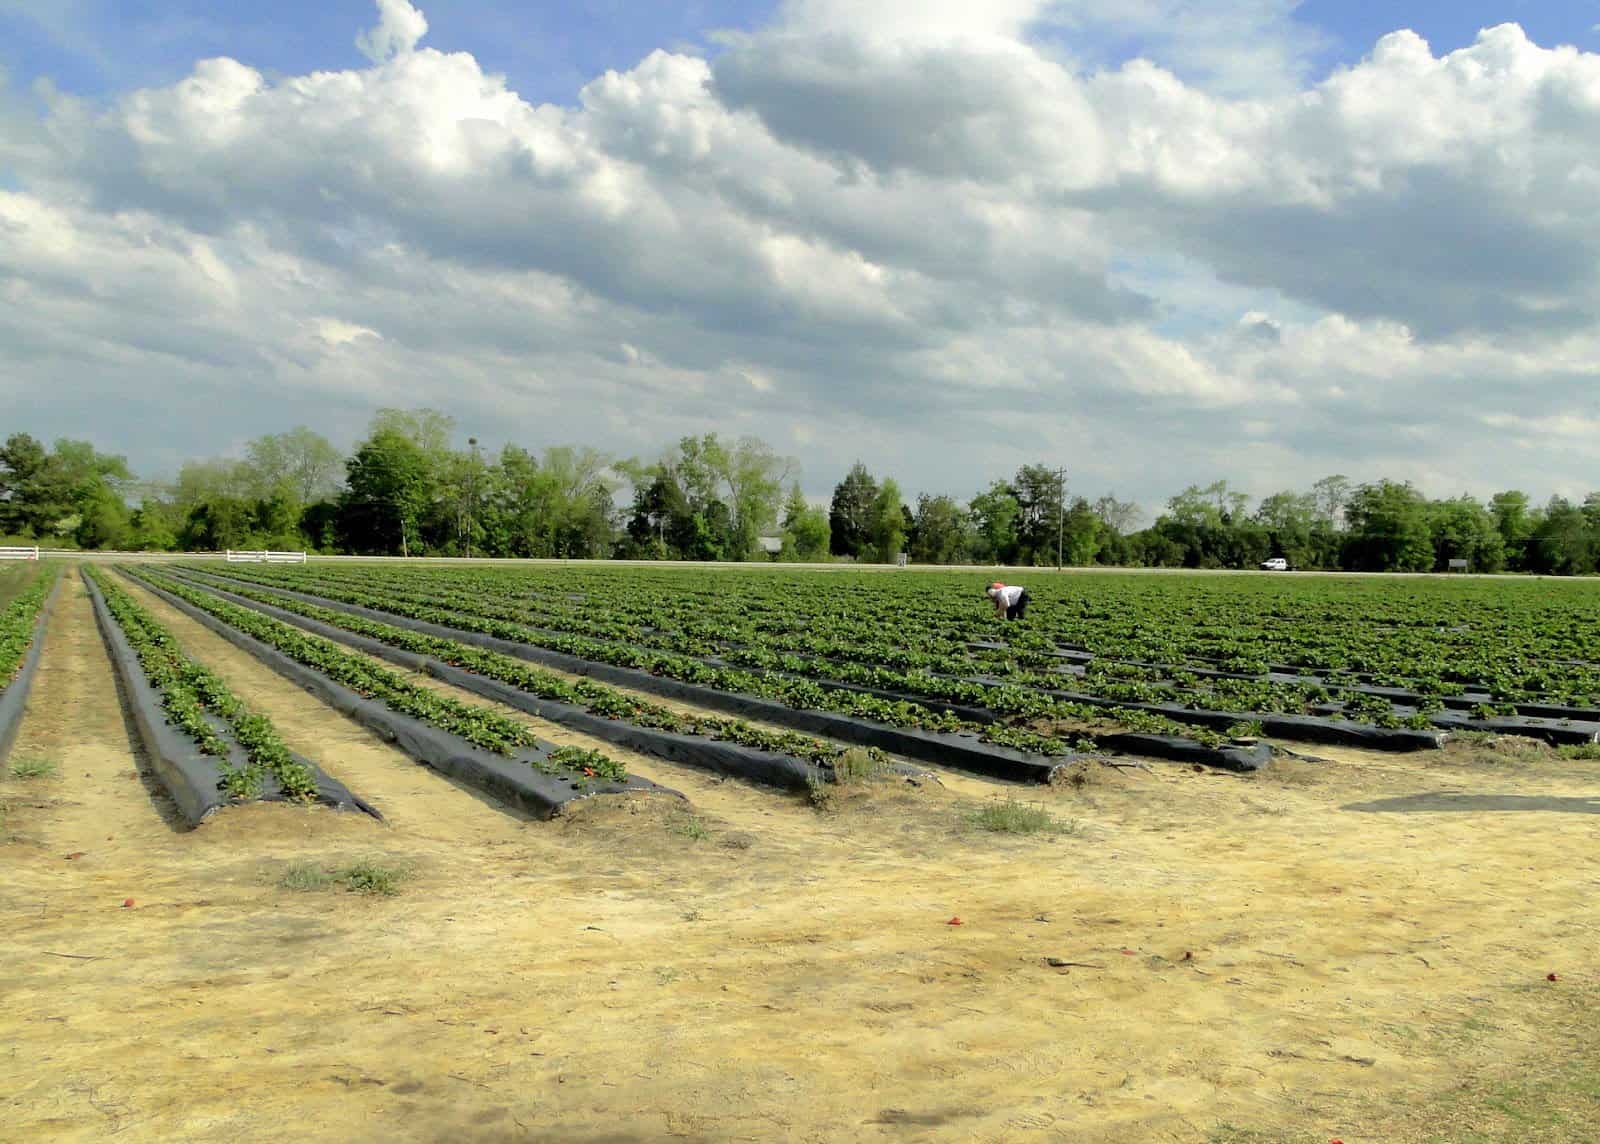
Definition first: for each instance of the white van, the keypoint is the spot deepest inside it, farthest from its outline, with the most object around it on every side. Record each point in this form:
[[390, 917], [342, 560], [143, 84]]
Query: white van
[[1275, 564]]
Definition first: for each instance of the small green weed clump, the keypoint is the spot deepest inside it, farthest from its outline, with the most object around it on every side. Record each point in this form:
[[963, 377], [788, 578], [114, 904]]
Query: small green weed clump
[[34, 768], [1013, 817], [1587, 752], [364, 877], [688, 826]]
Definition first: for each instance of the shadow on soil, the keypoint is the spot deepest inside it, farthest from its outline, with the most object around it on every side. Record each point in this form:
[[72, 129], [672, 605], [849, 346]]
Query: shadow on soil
[[1480, 803]]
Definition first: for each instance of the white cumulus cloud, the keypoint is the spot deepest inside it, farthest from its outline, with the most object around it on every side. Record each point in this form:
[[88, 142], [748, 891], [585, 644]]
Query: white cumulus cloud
[[399, 30]]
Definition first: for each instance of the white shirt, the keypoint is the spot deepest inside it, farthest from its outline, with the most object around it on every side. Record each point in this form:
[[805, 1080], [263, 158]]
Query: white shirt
[[1009, 595]]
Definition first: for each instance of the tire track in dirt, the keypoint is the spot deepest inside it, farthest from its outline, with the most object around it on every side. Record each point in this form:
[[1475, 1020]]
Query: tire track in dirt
[[75, 718]]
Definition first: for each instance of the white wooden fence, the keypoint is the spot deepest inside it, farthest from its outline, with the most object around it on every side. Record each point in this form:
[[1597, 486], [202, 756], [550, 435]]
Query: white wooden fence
[[263, 556], [14, 553]]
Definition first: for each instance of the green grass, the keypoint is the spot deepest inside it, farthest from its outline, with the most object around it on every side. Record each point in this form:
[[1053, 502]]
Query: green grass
[[304, 876], [1588, 752], [34, 768], [367, 876], [1013, 817], [688, 826], [857, 766]]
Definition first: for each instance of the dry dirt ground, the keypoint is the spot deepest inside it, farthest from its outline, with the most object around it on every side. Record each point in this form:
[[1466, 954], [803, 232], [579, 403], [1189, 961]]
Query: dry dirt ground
[[1303, 955]]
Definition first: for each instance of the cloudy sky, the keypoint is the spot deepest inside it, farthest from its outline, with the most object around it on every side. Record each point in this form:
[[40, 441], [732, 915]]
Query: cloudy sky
[[1155, 241]]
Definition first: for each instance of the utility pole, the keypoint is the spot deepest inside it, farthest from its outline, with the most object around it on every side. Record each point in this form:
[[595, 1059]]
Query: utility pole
[[472, 489], [1061, 512]]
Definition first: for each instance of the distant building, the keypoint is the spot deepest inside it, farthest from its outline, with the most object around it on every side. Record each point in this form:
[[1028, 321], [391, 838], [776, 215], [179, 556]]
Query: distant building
[[771, 545]]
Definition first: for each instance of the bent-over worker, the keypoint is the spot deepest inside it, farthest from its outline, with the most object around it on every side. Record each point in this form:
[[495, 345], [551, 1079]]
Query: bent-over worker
[[1010, 602]]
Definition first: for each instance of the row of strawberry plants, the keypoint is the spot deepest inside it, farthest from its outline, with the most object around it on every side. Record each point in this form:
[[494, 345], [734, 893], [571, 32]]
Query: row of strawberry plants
[[480, 726], [20, 618], [595, 698], [200, 705]]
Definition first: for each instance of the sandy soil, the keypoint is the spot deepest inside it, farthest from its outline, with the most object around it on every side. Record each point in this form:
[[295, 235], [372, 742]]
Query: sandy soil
[[1295, 953]]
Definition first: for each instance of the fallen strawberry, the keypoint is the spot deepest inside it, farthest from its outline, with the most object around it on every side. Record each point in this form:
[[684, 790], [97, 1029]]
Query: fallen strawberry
[[127, 903], [953, 922], [1551, 977], [74, 854]]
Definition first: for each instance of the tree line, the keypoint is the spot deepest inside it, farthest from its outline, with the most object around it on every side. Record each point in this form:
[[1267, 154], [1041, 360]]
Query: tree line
[[408, 489]]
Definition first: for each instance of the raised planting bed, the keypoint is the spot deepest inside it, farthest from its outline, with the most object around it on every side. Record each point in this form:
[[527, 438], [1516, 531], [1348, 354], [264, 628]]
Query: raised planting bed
[[206, 747], [944, 739], [22, 625], [480, 747], [783, 759]]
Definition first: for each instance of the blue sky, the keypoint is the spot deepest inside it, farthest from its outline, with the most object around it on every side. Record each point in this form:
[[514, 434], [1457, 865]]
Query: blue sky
[[549, 50]]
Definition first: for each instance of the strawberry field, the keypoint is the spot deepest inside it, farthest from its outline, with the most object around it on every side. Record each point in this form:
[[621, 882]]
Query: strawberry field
[[1143, 664]]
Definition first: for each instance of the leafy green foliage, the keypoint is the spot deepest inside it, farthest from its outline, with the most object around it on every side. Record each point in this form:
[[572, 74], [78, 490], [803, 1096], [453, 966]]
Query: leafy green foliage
[[1096, 652]]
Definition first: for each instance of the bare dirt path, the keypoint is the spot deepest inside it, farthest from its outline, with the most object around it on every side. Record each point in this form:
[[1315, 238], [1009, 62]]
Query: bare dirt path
[[611, 976]]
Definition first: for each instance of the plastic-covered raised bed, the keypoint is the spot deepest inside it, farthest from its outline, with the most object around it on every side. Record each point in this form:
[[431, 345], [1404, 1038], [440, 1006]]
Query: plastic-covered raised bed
[[732, 759], [511, 779], [14, 698], [193, 779]]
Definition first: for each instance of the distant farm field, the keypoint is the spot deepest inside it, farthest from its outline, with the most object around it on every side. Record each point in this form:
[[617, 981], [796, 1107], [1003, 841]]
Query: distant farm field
[[751, 853]]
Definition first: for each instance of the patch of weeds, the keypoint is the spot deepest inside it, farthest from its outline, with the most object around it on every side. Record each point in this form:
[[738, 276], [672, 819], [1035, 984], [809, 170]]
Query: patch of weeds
[[858, 765], [34, 768], [1586, 752], [1013, 817], [688, 826], [665, 975], [305, 876], [854, 767], [364, 877], [369, 877], [1246, 729]]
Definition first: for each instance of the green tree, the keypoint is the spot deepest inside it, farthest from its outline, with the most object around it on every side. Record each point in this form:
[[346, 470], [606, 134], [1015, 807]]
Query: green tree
[[390, 486], [887, 523], [31, 498], [1040, 493], [1331, 495], [1118, 516], [995, 513], [805, 528], [753, 475], [850, 514], [1563, 542], [1389, 529], [941, 531], [300, 461], [1463, 529], [1514, 519]]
